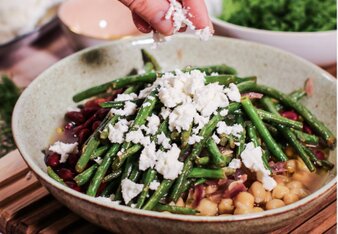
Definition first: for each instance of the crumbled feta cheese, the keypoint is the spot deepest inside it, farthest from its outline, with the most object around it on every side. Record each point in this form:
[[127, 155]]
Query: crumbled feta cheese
[[98, 160], [116, 132], [216, 138], [135, 136], [163, 141], [234, 130], [64, 149], [153, 123], [210, 98], [182, 117], [128, 109], [179, 16], [200, 121], [125, 97], [146, 104], [194, 139], [130, 190], [224, 112], [252, 159], [204, 34], [168, 164], [145, 92], [165, 112], [233, 93], [132, 205], [147, 157], [154, 185], [235, 163]]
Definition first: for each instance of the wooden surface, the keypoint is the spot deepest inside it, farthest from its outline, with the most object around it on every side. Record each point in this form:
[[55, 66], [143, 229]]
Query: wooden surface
[[26, 207]]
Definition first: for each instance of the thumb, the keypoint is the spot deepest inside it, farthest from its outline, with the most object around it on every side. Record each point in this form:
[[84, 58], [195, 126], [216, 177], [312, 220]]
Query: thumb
[[153, 12]]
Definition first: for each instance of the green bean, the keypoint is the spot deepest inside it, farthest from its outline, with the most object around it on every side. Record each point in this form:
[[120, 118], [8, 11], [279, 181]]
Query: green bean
[[185, 135], [85, 176], [200, 181], [216, 156], [112, 176], [158, 194], [221, 79], [298, 94], [99, 151], [54, 176], [127, 153], [292, 139], [86, 153], [312, 156], [209, 173], [148, 58], [241, 145], [220, 69], [102, 170], [108, 190], [263, 131], [175, 209], [119, 104], [314, 123], [202, 160], [149, 176], [277, 119], [327, 164], [125, 174], [115, 84], [306, 138], [244, 79]]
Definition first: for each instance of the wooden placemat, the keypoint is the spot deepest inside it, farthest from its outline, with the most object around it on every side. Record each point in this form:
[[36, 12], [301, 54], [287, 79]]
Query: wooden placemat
[[27, 207]]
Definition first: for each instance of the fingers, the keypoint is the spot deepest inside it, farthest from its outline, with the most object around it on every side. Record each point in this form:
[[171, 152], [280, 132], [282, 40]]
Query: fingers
[[152, 12], [141, 25], [198, 13]]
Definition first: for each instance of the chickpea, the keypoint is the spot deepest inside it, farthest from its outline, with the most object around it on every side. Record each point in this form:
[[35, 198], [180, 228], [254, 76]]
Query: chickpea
[[211, 189], [226, 206], [290, 198], [244, 200], [291, 166], [294, 184], [180, 202], [257, 209], [279, 191], [289, 151], [281, 179], [258, 191], [306, 178], [274, 203], [301, 192], [267, 197], [207, 207], [243, 210]]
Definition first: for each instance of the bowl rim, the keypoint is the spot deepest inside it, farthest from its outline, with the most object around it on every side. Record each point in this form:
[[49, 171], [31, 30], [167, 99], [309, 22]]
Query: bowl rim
[[229, 25], [42, 175]]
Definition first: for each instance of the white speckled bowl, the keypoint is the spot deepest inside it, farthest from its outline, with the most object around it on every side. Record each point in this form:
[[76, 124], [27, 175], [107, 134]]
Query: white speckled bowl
[[41, 108]]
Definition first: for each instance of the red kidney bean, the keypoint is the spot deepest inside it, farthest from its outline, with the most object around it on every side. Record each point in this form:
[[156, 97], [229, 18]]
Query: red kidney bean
[[78, 129], [73, 185], [307, 129], [72, 160], [66, 174], [95, 125], [89, 111], [290, 115], [101, 188], [74, 116], [319, 154], [89, 122], [83, 135], [53, 160], [69, 126], [100, 114]]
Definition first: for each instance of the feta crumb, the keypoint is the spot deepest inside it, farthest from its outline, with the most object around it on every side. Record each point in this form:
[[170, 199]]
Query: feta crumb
[[252, 159], [130, 190], [165, 112], [147, 157], [116, 132], [224, 112], [128, 109], [146, 104], [234, 130], [154, 185], [168, 164], [125, 97], [216, 138], [194, 139], [98, 160], [64, 149], [153, 123], [182, 117], [204, 34], [163, 140], [235, 163], [133, 205], [233, 93], [135, 136]]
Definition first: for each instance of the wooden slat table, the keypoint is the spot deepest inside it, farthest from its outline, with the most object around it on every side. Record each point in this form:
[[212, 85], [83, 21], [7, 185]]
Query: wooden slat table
[[26, 207]]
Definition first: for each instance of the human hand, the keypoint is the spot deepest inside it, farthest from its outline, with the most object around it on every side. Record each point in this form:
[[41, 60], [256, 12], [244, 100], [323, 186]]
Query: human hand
[[149, 15]]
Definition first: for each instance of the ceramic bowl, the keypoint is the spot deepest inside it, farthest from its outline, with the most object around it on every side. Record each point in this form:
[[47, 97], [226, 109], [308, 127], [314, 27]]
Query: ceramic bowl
[[318, 47], [41, 108]]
